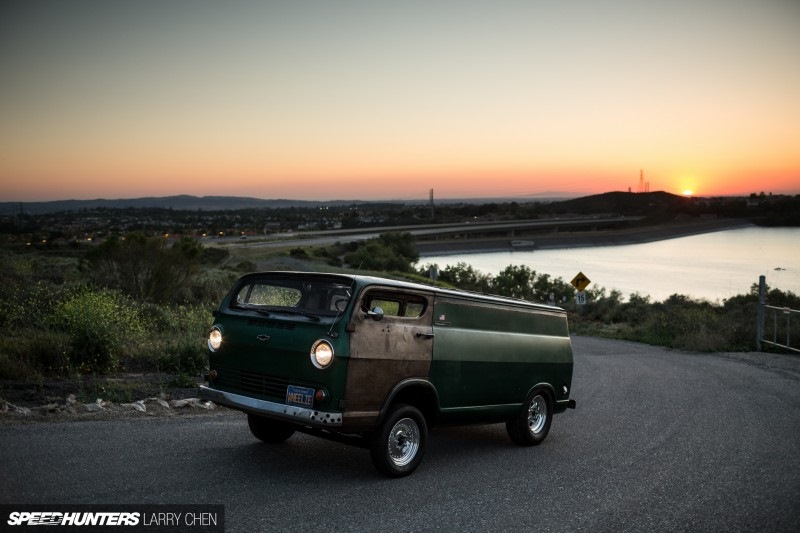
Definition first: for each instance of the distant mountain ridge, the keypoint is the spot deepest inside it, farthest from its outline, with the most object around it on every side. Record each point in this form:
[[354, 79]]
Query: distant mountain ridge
[[182, 202], [185, 202], [610, 202]]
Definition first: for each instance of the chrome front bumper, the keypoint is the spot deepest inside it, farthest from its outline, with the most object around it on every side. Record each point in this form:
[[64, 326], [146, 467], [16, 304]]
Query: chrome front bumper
[[300, 415]]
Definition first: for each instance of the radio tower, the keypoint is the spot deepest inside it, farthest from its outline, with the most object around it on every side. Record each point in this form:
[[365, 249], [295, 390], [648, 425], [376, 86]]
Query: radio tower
[[433, 215], [644, 186]]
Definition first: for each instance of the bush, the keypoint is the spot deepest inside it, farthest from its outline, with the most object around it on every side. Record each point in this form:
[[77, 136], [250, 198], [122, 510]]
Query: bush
[[388, 252], [100, 324], [180, 338], [33, 352], [462, 275], [145, 268]]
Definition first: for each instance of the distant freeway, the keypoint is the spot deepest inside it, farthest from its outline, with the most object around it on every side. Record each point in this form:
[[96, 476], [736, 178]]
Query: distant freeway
[[465, 230]]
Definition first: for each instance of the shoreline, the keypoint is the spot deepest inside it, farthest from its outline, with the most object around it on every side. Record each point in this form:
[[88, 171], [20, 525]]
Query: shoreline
[[566, 240]]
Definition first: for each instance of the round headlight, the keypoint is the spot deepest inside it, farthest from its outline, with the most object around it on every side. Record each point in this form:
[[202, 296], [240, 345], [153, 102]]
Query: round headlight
[[214, 339], [321, 354]]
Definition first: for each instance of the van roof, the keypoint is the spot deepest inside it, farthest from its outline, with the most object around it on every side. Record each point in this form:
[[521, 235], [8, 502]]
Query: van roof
[[364, 281]]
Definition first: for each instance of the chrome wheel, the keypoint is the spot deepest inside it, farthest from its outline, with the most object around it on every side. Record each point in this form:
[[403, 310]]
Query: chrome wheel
[[404, 441], [397, 447], [533, 422], [537, 414]]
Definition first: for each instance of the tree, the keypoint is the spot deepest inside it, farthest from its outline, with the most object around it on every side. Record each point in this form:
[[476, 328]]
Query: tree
[[388, 252], [145, 268], [466, 277], [515, 281]]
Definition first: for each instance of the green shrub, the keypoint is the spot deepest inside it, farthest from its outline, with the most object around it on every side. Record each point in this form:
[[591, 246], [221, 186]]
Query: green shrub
[[389, 251], [463, 276], [100, 324], [31, 352], [145, 268], [179, 338]]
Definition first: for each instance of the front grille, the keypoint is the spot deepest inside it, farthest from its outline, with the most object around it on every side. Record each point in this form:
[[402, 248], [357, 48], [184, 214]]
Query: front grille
[[274, 324], [252, 382]]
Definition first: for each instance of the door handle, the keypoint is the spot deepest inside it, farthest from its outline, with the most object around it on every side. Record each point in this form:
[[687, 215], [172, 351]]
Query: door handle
[[426, 335]]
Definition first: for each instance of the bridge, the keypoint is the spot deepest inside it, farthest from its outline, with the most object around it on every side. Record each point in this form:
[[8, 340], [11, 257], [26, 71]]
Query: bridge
[[453, 237]]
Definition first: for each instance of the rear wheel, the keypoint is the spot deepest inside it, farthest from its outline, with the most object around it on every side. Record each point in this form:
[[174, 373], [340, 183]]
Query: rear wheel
[[268, 430], [533, 423], [399, 444]]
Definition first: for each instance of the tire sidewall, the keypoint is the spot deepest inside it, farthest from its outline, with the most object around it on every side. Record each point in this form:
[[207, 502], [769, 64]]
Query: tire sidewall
[[379, 445], [519, 430]]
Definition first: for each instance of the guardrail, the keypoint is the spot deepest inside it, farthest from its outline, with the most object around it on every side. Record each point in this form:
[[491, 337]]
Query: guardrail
[[777, 328]]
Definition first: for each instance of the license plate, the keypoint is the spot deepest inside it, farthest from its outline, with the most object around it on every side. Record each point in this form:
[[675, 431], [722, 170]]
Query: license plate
[[300, 396]]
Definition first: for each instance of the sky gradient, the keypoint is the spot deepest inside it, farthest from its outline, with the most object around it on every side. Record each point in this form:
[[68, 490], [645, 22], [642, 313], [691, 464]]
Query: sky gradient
[[324, 100]]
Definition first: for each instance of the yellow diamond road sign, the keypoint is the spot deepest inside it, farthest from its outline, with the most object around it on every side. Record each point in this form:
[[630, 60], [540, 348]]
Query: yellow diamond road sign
[[580, 281]]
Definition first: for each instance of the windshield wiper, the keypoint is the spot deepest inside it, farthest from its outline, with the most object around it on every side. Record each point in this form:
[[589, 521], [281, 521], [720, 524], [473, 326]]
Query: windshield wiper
[[249, 307], [315, 318]]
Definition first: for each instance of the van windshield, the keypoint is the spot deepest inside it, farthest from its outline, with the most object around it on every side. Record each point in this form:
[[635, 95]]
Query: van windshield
[[300, 296]]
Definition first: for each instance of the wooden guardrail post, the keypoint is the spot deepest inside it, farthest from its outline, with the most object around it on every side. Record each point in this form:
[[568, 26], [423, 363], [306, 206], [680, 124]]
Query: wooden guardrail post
[[762, 301]]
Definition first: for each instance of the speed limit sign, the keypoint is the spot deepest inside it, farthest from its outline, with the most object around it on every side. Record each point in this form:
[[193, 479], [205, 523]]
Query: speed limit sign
[[580, 298]]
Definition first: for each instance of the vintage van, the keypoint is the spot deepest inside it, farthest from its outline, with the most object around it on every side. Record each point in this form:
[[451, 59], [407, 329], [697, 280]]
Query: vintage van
[[376, 362]]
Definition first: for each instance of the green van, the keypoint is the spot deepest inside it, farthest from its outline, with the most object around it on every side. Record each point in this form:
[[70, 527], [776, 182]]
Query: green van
[[376, 362]]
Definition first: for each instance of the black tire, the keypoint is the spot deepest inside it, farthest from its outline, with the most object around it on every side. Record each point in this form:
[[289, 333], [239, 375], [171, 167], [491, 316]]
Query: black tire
[[268, 430], [533, 423], [399, 444]]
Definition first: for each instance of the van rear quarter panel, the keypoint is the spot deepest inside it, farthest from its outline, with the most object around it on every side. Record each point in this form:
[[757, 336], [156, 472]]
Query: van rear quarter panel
[[490, 355]]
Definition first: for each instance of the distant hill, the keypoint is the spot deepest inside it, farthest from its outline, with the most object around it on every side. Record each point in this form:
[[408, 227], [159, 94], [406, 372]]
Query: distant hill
[[625, 203], [181, 202], [610, 202], [224, 203]]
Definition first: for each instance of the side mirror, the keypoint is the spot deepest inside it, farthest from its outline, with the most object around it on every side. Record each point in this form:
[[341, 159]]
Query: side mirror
[[376, 313]]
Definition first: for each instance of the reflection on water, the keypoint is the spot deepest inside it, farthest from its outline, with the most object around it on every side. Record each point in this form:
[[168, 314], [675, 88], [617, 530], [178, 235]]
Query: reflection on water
[[713, 266]]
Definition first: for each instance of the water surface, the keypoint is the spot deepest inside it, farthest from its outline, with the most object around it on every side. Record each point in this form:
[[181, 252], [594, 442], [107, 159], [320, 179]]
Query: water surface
[[712, 266]]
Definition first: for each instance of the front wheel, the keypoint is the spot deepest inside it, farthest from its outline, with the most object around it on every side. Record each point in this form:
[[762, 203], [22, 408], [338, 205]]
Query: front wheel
[[399, 443], [533, 423], [268, 430]]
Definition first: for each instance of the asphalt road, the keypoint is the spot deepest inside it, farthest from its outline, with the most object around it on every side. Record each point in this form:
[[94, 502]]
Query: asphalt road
[[661, 441]]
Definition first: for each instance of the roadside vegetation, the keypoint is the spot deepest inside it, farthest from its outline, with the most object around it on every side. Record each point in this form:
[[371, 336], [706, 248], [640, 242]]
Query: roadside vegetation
[[678, 322], [133, 305], [143, 304]]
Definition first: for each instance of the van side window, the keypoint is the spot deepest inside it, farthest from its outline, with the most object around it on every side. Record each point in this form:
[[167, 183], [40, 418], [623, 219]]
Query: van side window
[[397, 305]]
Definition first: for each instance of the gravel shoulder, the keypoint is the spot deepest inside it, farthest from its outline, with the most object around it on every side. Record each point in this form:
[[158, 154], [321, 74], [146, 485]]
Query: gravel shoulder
[[142, 395], [123, 395]]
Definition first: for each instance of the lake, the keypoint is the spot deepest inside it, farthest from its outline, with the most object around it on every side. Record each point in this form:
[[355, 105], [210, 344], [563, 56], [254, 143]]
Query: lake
[[712, 266]]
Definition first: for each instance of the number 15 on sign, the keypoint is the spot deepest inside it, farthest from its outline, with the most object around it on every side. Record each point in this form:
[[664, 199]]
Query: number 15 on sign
[[580, 298]]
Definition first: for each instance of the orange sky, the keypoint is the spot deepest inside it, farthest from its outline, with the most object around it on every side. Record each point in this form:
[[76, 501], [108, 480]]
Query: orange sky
[[365, 100]]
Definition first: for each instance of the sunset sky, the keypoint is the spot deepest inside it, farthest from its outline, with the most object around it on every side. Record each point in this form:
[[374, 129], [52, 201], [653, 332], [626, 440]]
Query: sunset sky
[[324, 100]]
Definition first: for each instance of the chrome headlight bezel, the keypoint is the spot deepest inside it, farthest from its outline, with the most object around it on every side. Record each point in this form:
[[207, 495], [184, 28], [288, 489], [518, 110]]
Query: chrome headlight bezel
[[215, 339], [321, 354]]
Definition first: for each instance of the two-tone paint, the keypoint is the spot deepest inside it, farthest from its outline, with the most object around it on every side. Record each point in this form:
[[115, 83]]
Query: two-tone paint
[[458, 357]]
